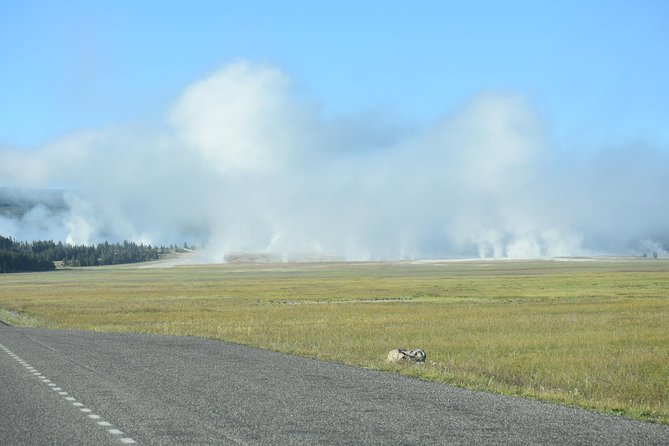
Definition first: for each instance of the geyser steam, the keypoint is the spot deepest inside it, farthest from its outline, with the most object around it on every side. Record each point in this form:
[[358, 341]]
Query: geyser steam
[[245, 164]]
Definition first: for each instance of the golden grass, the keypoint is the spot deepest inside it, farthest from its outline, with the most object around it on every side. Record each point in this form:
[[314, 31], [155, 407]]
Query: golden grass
[[593, 334]]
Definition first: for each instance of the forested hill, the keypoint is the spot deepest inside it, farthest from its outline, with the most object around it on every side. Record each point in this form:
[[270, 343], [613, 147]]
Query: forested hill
[[41, 255]]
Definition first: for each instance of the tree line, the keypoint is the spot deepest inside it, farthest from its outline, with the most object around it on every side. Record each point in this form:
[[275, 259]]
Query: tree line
[[41, 255], [14, 257]]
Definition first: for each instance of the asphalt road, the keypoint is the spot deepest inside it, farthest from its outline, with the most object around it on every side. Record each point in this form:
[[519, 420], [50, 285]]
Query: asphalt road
[[76, 387]]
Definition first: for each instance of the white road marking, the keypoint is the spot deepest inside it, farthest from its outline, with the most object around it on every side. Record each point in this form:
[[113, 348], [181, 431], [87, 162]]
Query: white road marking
[[44, 379]]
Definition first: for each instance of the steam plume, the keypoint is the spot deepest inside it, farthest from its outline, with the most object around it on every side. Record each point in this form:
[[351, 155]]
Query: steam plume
[[244, 164]]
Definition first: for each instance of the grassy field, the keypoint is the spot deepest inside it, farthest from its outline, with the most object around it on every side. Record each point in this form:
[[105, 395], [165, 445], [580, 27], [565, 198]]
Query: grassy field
[[594, 334]]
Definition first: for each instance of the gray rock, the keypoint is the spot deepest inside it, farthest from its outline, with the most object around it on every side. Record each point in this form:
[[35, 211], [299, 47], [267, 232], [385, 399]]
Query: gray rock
[[403, 355]]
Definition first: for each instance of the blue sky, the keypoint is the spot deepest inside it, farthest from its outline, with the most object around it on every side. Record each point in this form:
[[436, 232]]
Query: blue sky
[[597, 71]]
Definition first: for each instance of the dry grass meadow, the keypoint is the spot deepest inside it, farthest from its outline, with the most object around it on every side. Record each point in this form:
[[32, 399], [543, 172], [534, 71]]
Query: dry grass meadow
[[593, 333]]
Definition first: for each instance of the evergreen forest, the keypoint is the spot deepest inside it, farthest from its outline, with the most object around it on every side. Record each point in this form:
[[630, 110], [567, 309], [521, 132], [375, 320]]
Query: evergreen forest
[[40, 255]]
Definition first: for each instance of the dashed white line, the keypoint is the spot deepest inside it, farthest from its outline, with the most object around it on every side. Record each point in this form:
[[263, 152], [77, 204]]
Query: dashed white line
[[75, 403]]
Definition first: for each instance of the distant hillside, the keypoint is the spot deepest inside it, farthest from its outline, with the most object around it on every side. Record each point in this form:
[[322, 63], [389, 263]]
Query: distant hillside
[[15, 202]]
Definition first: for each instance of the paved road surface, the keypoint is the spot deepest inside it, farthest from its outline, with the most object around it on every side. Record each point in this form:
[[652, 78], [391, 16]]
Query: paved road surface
[[75, 387]]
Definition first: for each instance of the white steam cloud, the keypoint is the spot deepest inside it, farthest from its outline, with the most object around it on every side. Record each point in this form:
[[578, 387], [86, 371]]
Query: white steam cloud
[[244, 164]]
